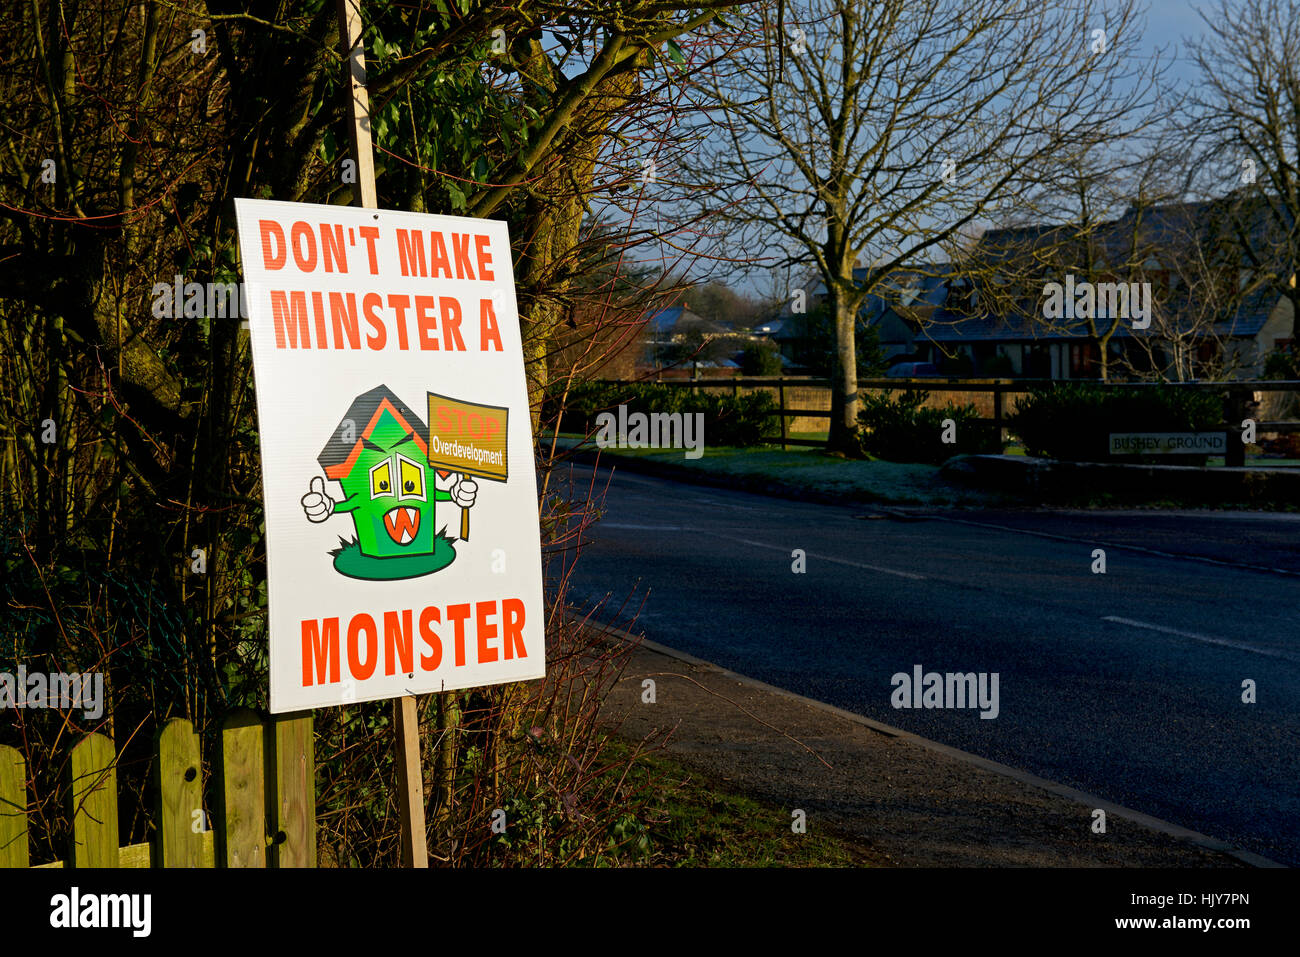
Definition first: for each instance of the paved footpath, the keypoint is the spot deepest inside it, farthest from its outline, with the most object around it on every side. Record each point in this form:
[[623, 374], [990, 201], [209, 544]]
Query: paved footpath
[[903, 800]]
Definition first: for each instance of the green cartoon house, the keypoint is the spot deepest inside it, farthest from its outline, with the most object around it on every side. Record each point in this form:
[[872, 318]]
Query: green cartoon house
[[379, 454]]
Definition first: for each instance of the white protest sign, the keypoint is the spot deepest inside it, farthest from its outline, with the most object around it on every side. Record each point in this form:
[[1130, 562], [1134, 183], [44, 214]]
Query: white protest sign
[[376, 334]]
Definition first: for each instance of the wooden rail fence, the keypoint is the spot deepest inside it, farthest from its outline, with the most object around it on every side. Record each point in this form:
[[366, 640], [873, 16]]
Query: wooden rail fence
[[1237, 393], [263, 791]]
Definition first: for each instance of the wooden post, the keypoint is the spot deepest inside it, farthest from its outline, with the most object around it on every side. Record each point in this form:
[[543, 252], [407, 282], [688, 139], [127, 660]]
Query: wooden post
[[290, 755], [359, 101], [242, 838], [780, 391], [92, 799], [997, 417], [1234, 410], [13, 809], [410, 779], [410, 782], [180, 794]]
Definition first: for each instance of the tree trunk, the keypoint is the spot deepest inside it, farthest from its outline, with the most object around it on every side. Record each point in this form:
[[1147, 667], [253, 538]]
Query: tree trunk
[[553, 229], [844, 376], [444, 775]]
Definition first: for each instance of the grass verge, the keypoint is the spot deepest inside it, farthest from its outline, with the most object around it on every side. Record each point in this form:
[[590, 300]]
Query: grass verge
[[805, 473], [814, 475], [693, 822]]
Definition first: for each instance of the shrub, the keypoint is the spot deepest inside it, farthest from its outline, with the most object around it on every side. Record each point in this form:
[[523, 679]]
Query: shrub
[[739, 420], [959, 365], [1282, 364], [822, 352], [1073, 421], [760, 358], [999, 367], [902, 430]]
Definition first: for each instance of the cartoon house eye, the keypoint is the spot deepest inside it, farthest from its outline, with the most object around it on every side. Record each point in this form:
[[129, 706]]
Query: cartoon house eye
[[412, 478], [381, 479]]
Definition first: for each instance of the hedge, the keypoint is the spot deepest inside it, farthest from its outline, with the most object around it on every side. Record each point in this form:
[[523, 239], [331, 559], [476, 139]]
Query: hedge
[[1073, 421], [903, 431], [734, 420]]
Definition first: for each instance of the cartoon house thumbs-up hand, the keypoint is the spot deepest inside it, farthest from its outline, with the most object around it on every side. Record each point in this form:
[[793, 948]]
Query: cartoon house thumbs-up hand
[[316, 503]]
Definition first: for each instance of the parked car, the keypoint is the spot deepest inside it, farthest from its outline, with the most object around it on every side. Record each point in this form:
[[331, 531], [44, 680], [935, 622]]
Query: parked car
[[912, 370]]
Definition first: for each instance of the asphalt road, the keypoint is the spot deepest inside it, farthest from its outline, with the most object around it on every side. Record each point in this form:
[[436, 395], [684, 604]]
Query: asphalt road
[[1127, 684]]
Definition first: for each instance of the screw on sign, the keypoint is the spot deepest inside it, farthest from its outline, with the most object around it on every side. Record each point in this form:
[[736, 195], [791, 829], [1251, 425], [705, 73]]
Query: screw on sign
[[469, 438]]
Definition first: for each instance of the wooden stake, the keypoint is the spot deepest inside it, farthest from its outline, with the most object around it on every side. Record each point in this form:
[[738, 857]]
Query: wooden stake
[[410, 782], [359, 102], [410, 779]]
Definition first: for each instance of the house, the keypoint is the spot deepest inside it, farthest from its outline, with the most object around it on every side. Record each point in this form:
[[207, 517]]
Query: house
[[676, 336], [1170, 315], [1017, 342], [902, 304], [379, 454]]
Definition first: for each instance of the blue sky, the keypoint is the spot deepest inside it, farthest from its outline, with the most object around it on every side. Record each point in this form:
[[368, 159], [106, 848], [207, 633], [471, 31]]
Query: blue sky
[[1169, 22]]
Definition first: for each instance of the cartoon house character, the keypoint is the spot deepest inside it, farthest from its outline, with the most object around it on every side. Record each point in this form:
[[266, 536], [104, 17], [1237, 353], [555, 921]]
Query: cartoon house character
[[379, 454]]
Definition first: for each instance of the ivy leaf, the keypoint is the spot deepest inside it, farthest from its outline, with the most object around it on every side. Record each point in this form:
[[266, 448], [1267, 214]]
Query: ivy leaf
[[480, 169], [675, 52]]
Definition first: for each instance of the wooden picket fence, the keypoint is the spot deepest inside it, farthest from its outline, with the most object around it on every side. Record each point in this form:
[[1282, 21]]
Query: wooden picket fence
[[263, 791]]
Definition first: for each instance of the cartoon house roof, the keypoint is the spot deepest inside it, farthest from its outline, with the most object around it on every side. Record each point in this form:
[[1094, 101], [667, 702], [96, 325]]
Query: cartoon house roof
[[339, 454]]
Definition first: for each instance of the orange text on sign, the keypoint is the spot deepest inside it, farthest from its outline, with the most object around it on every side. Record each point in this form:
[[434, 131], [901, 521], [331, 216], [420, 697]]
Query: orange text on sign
[[329, 253], [471, 424], [452, 637], [425, 323]]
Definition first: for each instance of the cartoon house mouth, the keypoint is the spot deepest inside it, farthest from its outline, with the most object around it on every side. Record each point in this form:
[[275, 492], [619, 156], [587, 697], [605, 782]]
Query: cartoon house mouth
[[402, 524]]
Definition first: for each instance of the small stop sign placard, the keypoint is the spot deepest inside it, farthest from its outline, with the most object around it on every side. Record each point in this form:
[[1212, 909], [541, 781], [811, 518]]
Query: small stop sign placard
[[468, 437]]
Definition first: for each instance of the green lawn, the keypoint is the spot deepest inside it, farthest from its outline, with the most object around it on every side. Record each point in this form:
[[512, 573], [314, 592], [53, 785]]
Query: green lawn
[[804, 471], [807, 470]]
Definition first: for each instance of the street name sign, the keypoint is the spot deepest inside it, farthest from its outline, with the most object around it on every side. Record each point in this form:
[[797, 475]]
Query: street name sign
[[1168, 443]]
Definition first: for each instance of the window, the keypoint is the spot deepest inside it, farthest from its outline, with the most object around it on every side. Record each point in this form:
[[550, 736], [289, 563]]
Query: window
[[1083, 359]]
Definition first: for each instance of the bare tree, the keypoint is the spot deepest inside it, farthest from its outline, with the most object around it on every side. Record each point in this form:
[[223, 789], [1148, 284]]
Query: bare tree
[[1199, 290], [1245, 127], [1101, 220], [881, 133]]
